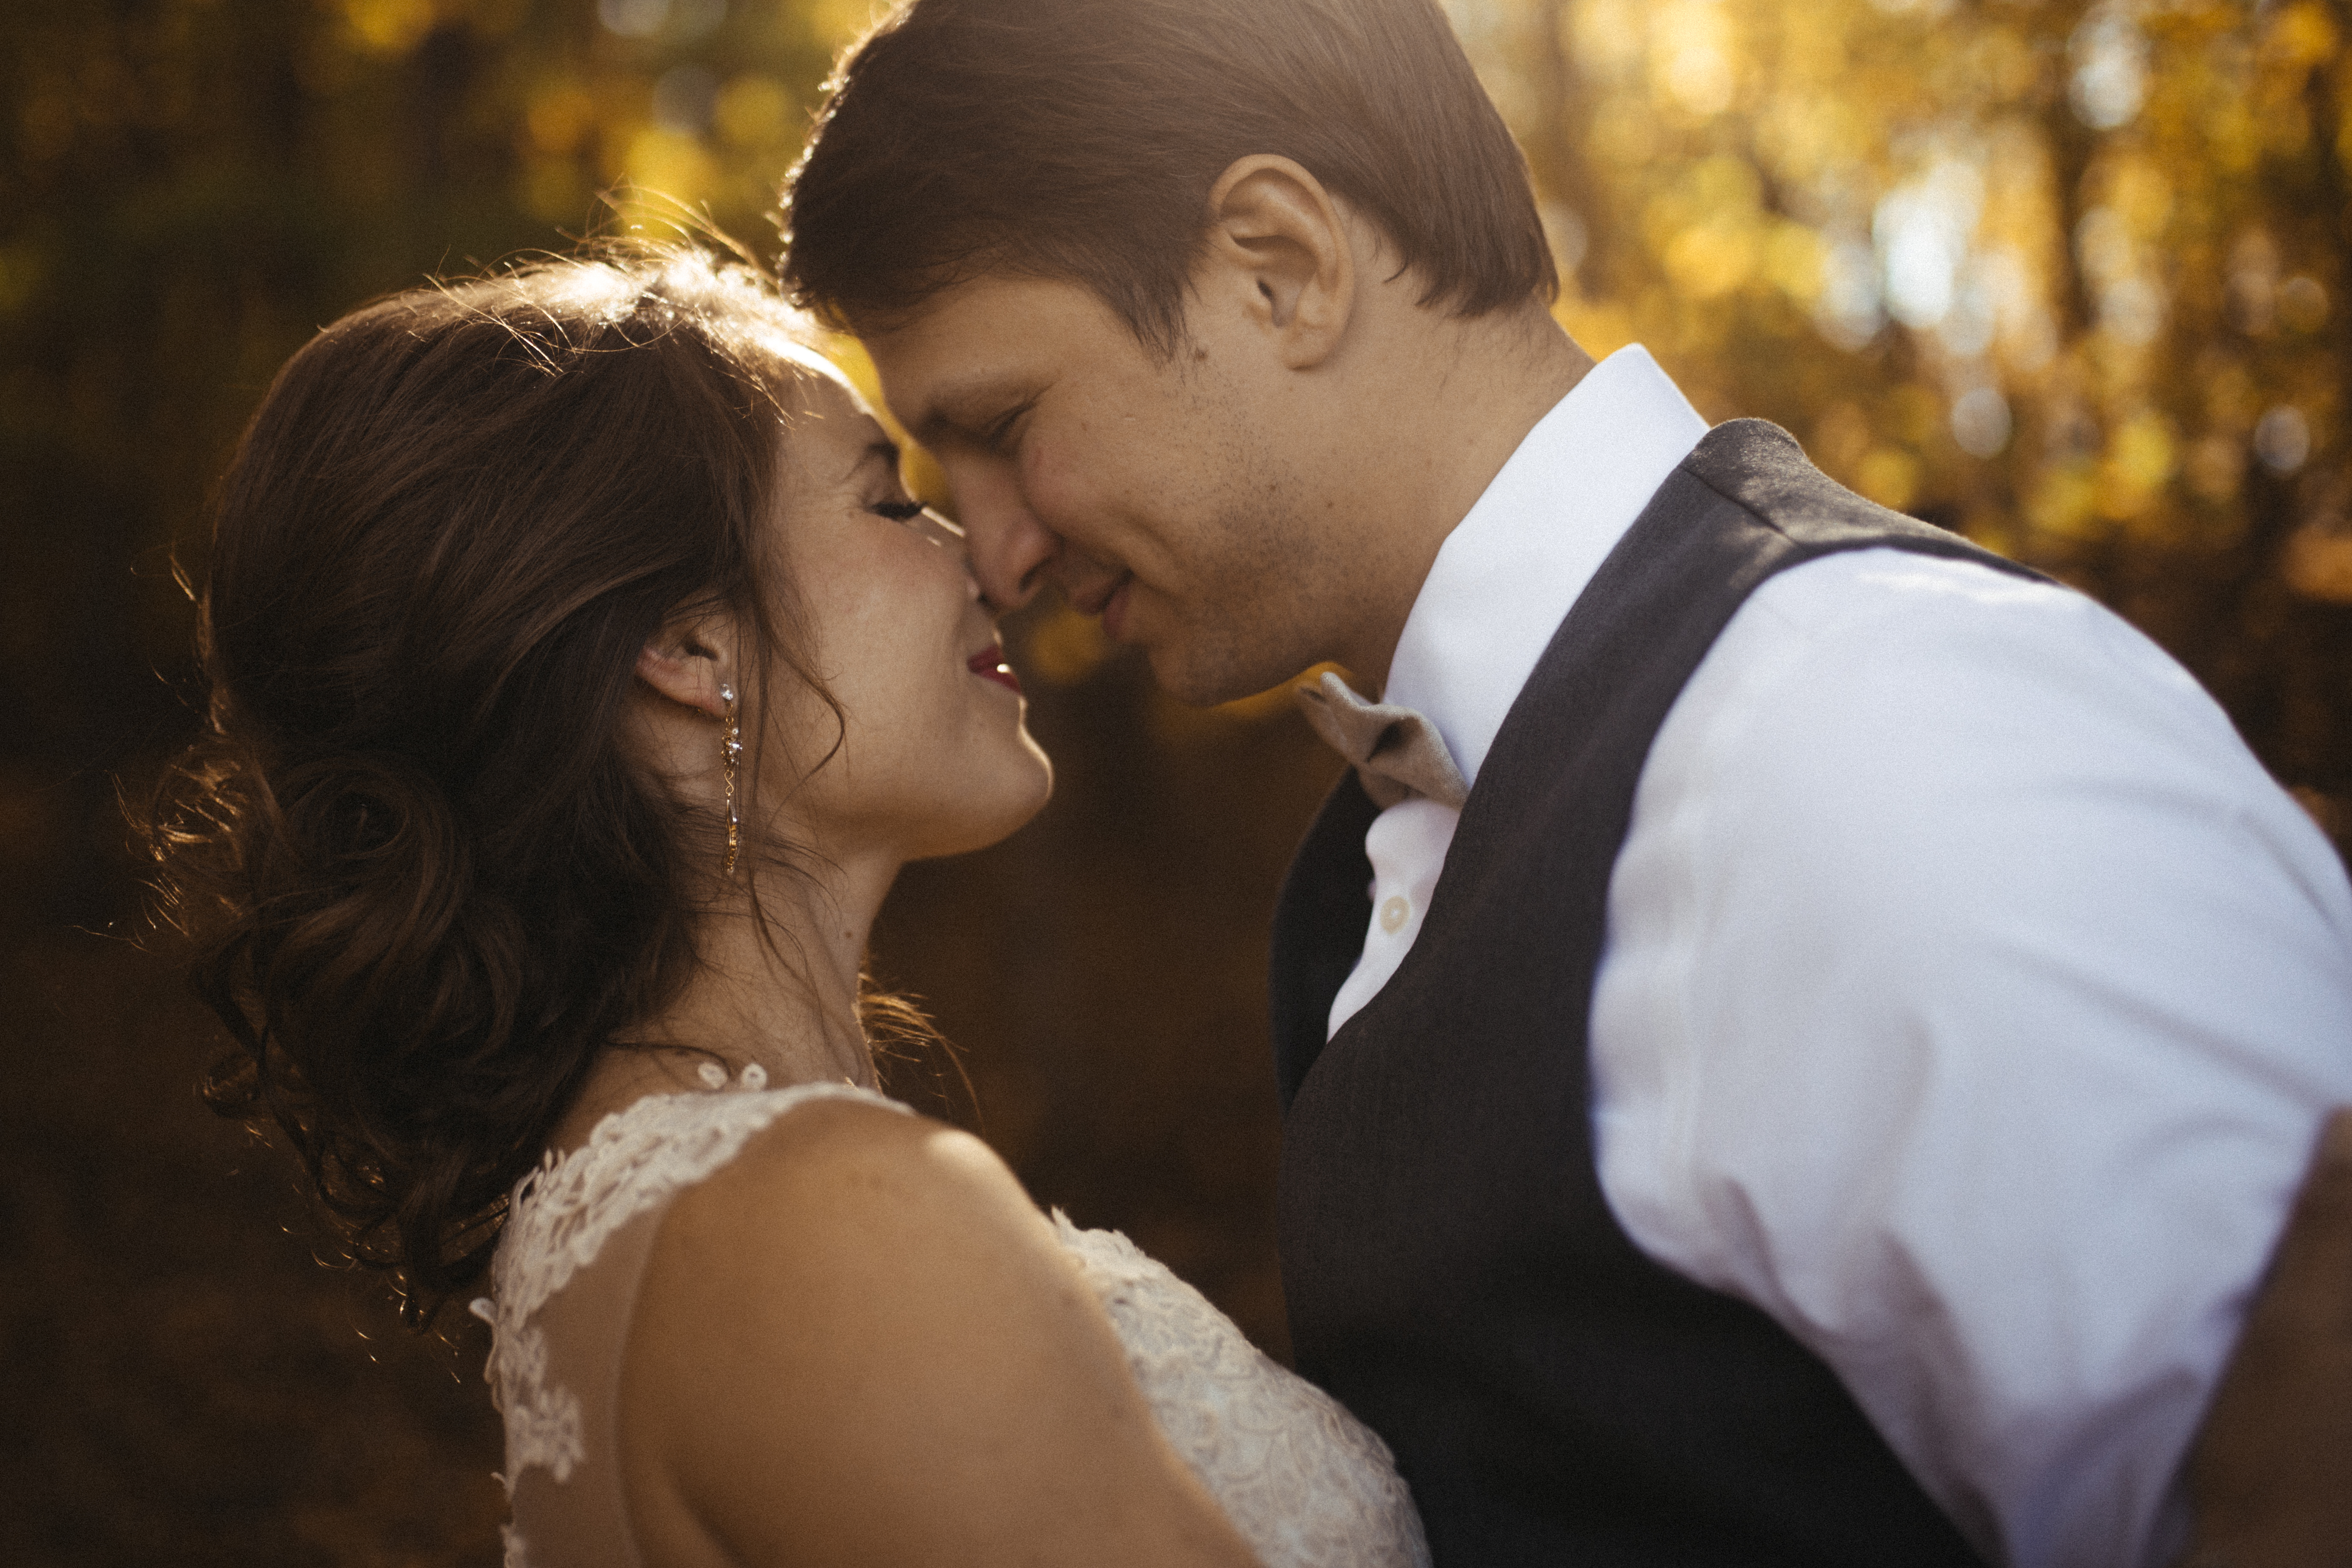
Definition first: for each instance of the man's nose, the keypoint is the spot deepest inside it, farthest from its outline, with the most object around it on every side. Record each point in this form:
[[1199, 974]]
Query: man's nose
[[1011, 549]]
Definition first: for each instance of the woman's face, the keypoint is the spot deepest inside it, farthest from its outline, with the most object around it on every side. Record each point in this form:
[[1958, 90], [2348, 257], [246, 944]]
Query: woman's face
[[934, 756]]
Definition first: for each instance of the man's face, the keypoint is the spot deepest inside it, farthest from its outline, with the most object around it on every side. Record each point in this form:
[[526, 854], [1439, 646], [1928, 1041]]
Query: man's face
[[1155, 493]]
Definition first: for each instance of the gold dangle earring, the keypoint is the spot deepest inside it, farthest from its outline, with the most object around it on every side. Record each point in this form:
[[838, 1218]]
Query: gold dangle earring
[[730, 752]]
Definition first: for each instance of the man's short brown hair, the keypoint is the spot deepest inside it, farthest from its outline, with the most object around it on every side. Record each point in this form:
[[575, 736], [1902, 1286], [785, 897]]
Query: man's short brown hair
[[1079, 139]]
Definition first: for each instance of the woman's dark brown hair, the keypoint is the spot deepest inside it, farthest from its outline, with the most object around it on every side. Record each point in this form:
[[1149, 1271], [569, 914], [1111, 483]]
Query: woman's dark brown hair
[[425, 885], [1079, 139]]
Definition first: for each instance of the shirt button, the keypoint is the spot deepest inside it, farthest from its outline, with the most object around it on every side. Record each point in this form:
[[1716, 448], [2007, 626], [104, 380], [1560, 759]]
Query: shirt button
[[1393, 913]]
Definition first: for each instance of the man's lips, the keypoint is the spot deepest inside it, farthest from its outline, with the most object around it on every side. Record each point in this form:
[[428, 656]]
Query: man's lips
[[989, 665]]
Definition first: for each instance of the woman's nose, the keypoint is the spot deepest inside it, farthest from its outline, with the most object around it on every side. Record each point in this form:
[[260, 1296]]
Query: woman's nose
[[948, 536]]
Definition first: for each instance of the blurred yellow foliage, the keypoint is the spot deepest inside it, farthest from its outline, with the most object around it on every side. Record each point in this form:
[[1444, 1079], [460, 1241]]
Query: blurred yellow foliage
[[2300, 36], [2319, 562], [2065, 275], [2048, 273], [754, 112], [560, 117], [840, 21], [677, 167], [1889, 476], [389, 26]]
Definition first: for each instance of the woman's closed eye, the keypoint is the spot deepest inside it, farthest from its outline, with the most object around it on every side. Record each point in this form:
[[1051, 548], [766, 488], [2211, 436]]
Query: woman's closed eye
[[898, 510]]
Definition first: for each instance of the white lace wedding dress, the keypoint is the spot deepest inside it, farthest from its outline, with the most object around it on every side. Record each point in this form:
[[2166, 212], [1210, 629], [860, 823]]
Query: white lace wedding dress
[[1304, 1483]]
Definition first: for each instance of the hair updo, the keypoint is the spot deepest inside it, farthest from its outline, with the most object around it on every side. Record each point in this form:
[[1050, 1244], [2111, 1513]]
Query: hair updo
[[424, 884]]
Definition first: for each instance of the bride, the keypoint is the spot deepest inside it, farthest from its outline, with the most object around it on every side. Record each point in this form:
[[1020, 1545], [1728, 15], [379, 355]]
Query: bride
[[582, 677]]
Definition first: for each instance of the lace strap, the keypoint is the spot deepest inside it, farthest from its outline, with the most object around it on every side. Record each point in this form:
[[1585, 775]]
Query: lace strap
[[565, 1211], [637, 1158]]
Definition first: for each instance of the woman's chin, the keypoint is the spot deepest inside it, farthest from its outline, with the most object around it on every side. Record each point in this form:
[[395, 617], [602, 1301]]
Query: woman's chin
[[987, 816], [1036, 789]]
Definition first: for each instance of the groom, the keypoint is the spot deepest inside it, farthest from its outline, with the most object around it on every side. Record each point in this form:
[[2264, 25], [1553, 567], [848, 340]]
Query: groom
[[1798, 1035]]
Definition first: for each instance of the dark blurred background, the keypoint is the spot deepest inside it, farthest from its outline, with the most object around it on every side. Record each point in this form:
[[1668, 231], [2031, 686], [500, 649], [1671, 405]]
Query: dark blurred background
[[2071, 278]]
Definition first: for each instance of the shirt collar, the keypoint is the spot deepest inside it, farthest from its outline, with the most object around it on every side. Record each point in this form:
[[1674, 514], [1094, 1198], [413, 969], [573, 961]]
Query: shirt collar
[[1507, 576]]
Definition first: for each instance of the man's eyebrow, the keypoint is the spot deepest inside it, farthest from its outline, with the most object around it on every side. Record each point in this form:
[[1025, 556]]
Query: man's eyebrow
[[953, 408]]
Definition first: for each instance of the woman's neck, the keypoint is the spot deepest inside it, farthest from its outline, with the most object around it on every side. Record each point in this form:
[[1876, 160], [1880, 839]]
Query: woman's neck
[[777, 988]]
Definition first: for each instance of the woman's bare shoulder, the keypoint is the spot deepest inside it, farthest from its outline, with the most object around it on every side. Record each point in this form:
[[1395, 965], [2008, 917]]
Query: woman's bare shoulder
[[838, 1172], [860, 1341]]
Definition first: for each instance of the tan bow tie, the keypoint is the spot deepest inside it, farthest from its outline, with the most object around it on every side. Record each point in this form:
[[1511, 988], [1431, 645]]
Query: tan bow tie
[[1398, 752]]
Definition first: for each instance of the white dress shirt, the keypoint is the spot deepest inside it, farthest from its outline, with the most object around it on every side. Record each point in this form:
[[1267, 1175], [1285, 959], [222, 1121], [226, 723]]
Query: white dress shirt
[[1971, 998]]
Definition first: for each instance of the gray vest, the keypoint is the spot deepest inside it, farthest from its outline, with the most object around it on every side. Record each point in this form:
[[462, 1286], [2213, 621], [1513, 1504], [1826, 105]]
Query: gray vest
[[1455, 1275]]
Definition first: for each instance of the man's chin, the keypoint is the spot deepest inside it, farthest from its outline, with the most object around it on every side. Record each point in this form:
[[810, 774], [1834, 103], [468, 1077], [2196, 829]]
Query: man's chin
[[1200, 679]]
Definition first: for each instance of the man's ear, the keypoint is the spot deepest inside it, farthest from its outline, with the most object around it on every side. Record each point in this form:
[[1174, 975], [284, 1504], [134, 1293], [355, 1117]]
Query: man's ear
[[689, 661], [1279, 233]]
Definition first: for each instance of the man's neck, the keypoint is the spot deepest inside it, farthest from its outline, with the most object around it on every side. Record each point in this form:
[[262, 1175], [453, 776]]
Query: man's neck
[[1479, 387]]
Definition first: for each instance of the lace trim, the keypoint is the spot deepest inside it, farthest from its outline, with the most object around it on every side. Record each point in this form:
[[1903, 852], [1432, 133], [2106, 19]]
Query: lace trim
[[564, 1212], [1305, 1482]]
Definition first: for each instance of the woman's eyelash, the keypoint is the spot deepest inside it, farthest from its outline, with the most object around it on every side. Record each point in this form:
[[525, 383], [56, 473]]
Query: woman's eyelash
[[900, 511]]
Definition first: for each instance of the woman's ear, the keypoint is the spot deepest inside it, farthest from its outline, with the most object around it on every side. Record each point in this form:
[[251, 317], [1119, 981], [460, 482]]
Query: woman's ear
[[1280, 234], [690, 662]]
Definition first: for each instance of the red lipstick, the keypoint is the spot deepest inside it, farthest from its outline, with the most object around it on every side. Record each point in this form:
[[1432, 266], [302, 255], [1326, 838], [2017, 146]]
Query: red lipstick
[[989, 665]]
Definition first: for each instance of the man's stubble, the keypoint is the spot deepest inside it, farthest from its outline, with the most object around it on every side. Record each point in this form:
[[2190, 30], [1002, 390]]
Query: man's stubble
[[1274, 579]]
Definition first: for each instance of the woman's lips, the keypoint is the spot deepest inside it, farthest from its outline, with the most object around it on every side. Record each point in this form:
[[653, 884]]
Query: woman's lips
[[989, 665]]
